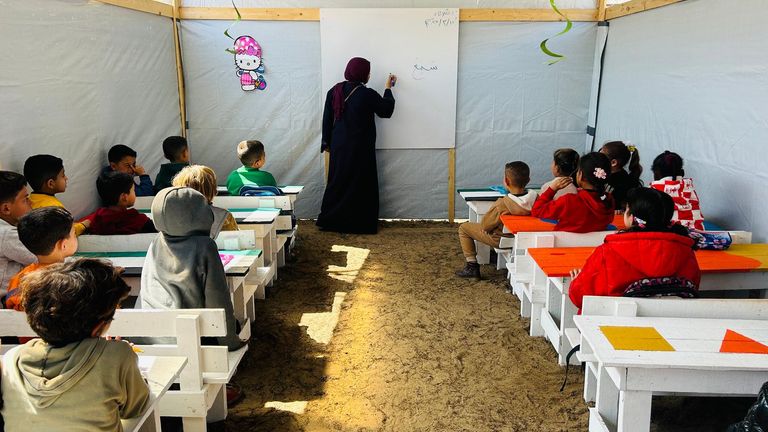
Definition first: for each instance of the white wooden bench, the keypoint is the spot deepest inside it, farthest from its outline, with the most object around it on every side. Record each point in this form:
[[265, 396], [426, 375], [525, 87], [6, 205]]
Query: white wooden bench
[[202, 382]]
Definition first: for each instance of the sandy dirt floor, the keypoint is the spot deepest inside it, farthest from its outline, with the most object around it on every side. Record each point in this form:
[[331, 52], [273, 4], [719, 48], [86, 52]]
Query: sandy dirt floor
[[414, 348]]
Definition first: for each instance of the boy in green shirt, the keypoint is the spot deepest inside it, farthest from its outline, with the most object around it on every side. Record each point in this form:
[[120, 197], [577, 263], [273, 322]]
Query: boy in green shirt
[[251, 154], [176, 150]]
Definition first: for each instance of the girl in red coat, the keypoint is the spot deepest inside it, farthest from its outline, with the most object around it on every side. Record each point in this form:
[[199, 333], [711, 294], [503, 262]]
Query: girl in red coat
[[591, 209], [650, 248]]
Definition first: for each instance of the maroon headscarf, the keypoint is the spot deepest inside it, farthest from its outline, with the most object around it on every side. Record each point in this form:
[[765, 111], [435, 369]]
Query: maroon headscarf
[[357, 71]]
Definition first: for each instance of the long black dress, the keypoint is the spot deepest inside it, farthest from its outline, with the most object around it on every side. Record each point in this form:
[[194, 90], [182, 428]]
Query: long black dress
[[351, 199]]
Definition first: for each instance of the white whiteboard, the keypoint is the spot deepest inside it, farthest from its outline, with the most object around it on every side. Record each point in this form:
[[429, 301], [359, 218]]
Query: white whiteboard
[[421, 47]]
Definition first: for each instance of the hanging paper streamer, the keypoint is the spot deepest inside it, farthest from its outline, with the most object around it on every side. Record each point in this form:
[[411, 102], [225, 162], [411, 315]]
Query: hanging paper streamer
[[556, 57], [249, 62]]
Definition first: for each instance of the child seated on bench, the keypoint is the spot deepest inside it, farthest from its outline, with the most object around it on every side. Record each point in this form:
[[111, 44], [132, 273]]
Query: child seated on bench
[[14, 203], [118, 195], [517, 202], [621, 180], [591, 209], [49, 233], [176, 150], [565, 163], [202, 179], [46, 177], [183, 269], [123, 159], [669, 177], [252, 156], [649, 248], [72, 378]]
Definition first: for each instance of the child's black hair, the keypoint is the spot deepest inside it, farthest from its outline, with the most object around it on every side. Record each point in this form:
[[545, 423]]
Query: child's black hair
[[173, 146], [111, 185], [655, 209], [594, 168], [118, 152], [42, 228], [65, 302], [10, 185], [567, 162], [620, 151], [517, 173], [667, 164], [38, 169]]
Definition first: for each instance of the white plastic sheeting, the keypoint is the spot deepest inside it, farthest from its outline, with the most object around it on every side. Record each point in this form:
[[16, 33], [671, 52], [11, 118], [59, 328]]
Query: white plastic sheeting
[[693, 78], [77, 77], [511, 105]]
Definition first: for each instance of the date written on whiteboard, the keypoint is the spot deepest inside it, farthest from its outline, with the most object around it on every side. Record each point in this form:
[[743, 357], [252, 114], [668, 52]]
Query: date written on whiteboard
[[442, 18], [420, 71]]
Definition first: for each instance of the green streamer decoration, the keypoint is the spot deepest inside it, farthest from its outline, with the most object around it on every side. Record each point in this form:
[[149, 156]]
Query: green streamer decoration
[[543, 45], [226, 32]]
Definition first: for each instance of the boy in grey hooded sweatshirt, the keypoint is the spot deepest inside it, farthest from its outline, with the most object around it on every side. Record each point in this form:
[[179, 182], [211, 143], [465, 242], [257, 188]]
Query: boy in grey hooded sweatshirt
[[183, 269]]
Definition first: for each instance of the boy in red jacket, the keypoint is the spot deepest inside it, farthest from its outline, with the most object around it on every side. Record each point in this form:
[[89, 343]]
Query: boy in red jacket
[[650, 248], [118, 195], [591, 209]]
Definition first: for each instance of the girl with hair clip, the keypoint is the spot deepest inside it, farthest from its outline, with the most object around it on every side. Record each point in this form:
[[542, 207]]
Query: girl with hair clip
[[588, 210], [669, 177], [565, 163], [625, 170], [651, 247]]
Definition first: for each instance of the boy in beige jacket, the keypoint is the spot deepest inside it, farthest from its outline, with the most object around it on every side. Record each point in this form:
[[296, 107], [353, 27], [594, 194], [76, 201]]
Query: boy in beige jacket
[[518, 202]]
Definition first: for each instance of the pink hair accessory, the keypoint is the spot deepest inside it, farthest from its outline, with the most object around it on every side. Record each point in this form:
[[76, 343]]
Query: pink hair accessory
[[641, 223], [600, 173]]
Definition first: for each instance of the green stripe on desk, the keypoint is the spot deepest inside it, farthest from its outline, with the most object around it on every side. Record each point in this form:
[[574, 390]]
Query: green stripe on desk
[[485, 189]]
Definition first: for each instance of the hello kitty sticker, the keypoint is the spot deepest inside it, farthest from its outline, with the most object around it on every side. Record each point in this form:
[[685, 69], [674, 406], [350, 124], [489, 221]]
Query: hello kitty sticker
[[249, 63]]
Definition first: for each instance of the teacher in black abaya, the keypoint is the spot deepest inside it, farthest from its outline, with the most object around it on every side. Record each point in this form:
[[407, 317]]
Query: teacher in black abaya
[[351, 199]]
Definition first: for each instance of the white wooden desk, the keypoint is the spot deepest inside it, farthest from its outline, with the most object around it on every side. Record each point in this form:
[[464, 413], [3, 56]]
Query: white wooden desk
[[160, 373], [627, 380]]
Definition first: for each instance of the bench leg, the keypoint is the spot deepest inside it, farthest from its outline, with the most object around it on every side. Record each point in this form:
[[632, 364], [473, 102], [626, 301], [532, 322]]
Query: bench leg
[[194, 424], [483, 253], [536, 328], [634, 411], [607, 398], [218, 410], [281, 256], [525, 306], [590, 382]]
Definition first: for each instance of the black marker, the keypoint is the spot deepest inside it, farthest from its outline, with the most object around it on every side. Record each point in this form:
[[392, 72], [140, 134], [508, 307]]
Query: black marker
[[392, 80]]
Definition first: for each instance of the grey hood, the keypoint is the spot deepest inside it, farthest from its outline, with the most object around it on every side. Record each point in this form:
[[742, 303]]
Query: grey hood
[[182, 211], [49, 372]]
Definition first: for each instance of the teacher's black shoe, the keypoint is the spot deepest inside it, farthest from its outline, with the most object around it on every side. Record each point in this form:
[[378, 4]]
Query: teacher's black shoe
[[470, 270]]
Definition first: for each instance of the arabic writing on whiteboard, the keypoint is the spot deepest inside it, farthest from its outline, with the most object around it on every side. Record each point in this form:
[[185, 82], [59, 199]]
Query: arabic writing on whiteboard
[[420, 71], [442, 18]]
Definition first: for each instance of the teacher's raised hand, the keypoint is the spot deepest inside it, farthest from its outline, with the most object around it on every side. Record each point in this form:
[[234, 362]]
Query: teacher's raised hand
[[391, 80]]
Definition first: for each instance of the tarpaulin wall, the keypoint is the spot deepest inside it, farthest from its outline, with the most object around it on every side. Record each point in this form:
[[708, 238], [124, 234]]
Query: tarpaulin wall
[[511, 105], [77, 77], [693, 78]]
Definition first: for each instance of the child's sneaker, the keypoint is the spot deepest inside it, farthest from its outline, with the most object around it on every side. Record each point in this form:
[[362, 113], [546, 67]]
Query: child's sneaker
[[470, 270]]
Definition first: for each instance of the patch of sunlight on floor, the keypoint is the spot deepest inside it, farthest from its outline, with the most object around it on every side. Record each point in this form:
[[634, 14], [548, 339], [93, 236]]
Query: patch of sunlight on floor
[[320, 325], [355, 259], [296, 407]]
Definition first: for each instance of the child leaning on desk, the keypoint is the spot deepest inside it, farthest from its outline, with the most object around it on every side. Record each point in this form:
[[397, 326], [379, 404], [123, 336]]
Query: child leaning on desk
[[72, 378], [46, 176], [117, 216], [652, 247], [588, 210], [517, 202]]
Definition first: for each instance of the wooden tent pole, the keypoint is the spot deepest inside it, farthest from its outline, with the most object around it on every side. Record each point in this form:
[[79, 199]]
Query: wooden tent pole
[[179, 69], [451, 183], [601, 10]]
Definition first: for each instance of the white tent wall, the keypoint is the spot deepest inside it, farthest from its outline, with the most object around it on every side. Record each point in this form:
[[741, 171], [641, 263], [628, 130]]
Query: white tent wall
[[692, 78], [77, 77], [511, 105]]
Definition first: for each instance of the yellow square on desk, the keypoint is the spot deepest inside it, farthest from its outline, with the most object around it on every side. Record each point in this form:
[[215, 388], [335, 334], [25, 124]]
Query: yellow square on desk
[[635, 338]]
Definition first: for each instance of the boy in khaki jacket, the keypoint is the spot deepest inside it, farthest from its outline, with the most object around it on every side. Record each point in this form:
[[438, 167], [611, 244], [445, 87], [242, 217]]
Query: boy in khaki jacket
[[518, 202]]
